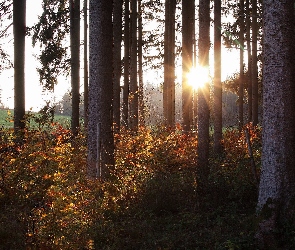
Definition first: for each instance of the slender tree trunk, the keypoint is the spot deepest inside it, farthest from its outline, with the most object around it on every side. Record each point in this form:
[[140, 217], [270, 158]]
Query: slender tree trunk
[[86, 92], [249, 75], [140, 70], [187, 62], [19, 31], [133, 96], [100, 134], [126, 64], [277, 183], [242, 78], [254, 63], [203, 99], [117, 19], [217, 78], [169, 63], [75, 62]]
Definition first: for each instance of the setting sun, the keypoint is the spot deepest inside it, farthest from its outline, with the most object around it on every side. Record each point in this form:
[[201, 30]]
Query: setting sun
[[198, 76]]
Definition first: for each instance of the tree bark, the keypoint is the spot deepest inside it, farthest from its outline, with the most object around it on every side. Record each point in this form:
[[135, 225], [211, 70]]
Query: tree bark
[[117, 19], [86, 91], [187, 61], [242, 78], [254, 64], [217, 78], [75, 62], [169, 63], [126, 64], [19, 31], [203, 98], [277, 182], [141, 118], [100, 134], [249, 75], [133, 96]]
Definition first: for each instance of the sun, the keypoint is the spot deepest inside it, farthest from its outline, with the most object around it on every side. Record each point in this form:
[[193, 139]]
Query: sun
[[198, 76]]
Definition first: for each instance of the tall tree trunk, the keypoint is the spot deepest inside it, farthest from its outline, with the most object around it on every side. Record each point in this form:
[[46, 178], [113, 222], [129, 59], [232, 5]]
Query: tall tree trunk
[[117, 19], [86, 91], [19, 31], [169, 63], [241, 81], [217, 78], [249, 75], [126, 64], [277, 184], [254, 63], [133, 96], [203, 98], [100, 134], [187, 61], [140, 70], [75, 62]]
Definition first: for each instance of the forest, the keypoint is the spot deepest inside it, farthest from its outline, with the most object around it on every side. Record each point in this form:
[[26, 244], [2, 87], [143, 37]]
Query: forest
[[159, 143]]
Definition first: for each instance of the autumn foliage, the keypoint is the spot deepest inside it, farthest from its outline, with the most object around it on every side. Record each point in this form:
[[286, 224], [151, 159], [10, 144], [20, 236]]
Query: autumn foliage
[[47, 202]]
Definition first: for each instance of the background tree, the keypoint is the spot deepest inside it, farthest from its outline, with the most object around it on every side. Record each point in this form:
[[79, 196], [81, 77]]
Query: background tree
[[241, 47], [19, 31], [117, 20], [5, 15], [169, 63], [50, 33], [203, 97], [126, 63], [75, 62], [217, 78], [86, 92], [133, 95], [100, 135], [141, 106], [254, 72], [249, 55], [188, 18], [276, 190]]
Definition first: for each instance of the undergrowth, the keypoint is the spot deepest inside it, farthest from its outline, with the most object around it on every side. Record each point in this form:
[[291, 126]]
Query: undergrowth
[[149, 202]]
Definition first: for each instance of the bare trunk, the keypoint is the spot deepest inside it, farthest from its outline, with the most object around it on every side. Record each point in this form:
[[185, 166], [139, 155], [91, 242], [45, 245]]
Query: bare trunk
[[241, 82], [100, 134], [254, 63], [75, 62], [217, 78], [117, 17], [277, 182], [203, 98], [19, 31], [126, 64]]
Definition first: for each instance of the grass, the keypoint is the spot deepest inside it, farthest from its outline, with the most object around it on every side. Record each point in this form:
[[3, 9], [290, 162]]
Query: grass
[[6, 119]]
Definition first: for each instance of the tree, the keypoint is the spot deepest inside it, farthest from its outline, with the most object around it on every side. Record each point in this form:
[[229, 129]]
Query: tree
[[100, 135], [217, 78], [203, 96], [254, 72], [241, 82], [133, 95], [277, 183], [188, 7], [75, 62], [249, 54], [117, 20], [141, 115], [19, 30], [126, 63], [169, 63], [86, 91], [51, 32]]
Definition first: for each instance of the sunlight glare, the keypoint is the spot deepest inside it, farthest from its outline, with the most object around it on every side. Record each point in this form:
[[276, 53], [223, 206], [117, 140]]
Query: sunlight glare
[[198, 76]]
